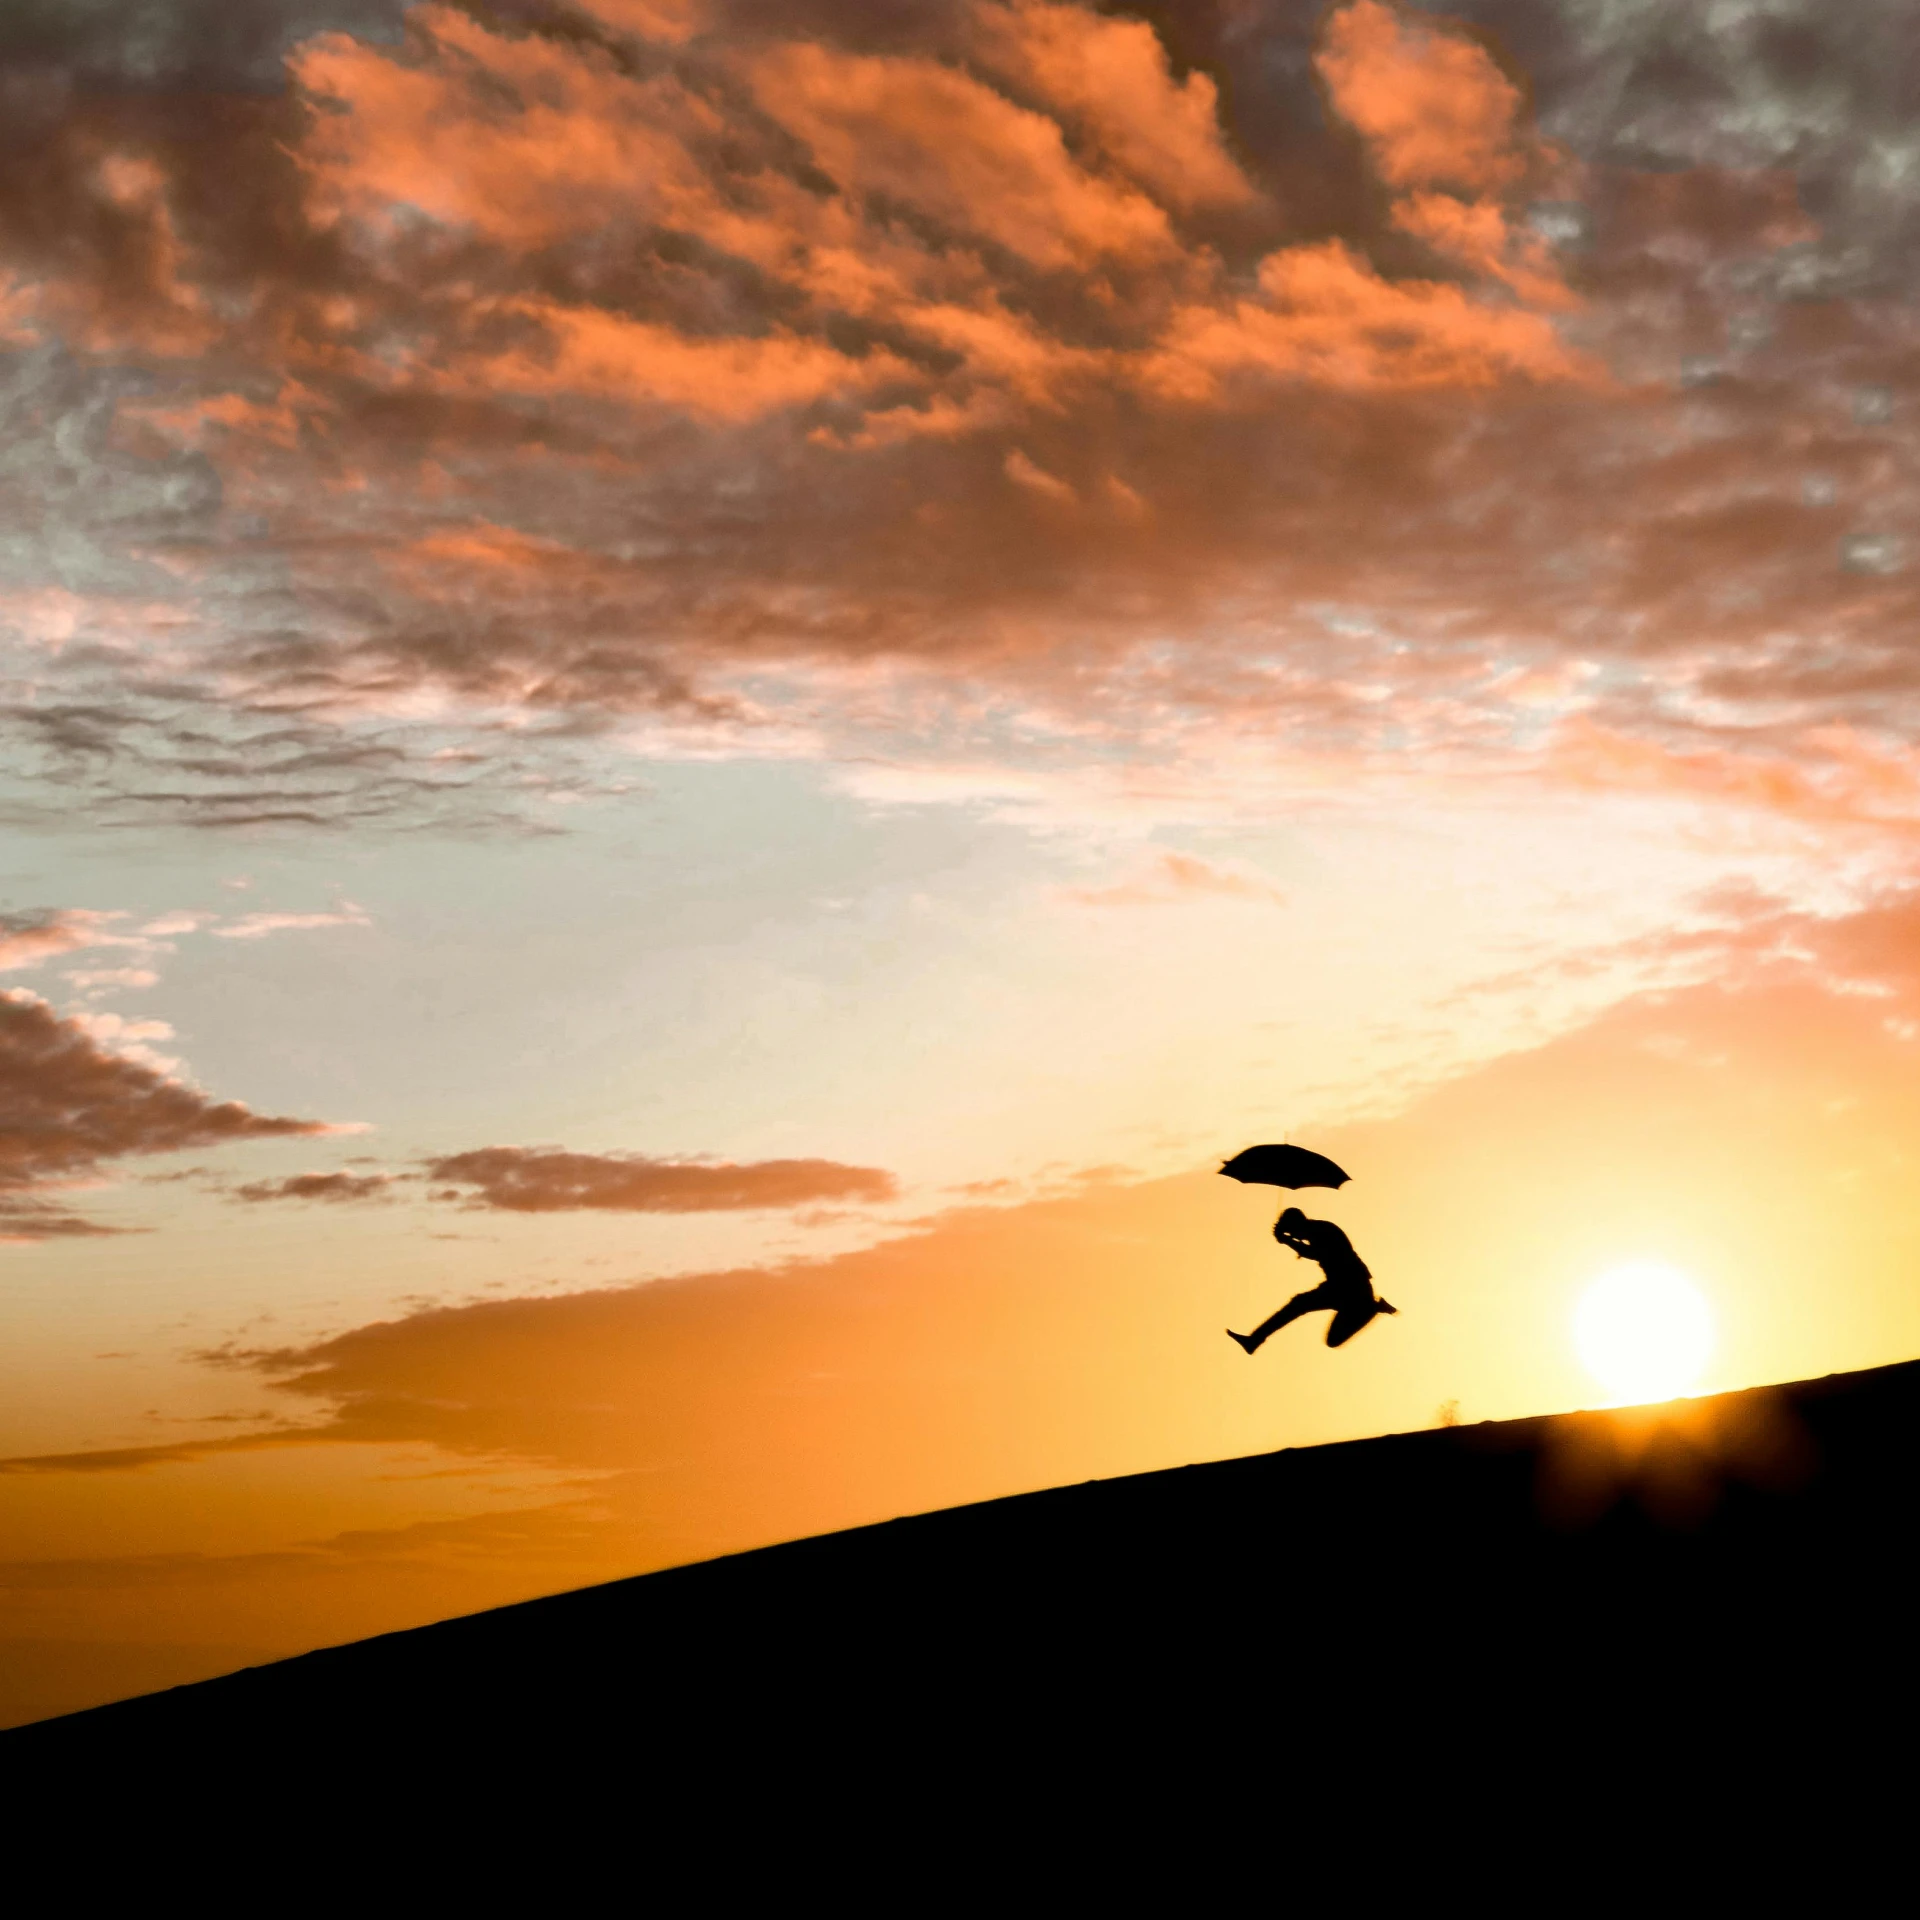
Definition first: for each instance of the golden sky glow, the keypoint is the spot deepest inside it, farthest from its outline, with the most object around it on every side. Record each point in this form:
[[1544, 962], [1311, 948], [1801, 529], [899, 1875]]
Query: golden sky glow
[[701, 697]]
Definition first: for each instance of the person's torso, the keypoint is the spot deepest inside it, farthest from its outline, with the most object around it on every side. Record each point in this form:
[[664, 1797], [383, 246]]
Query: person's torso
[[1330, 1247]]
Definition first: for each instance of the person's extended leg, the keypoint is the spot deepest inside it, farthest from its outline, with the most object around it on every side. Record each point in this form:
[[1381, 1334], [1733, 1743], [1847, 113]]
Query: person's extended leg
[[1309, 1302]]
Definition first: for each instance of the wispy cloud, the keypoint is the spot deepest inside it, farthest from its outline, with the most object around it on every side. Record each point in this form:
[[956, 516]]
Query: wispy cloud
[[1173, 877], [546, 1180], [32, 939], [257, 926], [95, 979]]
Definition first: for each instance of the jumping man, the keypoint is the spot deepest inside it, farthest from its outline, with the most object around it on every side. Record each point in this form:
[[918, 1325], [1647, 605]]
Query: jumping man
[[1347, 1291]]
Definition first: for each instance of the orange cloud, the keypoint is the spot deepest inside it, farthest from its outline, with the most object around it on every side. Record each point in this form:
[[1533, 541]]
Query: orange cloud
[[18, 301], [155, 303], [1436, 113], [1023, 473], [517, 137], [503, 550], [940, 141], [1829, 776], [591, 352], [533, 143], [670, 20], [1113, 78], [1479, 235], [1327, 319], [1433, 108]]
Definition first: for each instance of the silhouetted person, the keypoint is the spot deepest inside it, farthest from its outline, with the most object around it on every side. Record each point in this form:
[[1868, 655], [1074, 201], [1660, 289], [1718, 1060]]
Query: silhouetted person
[[1347, 1291]]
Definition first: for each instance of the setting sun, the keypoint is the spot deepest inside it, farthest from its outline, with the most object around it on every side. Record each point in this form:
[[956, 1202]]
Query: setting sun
[[1644, 1331]]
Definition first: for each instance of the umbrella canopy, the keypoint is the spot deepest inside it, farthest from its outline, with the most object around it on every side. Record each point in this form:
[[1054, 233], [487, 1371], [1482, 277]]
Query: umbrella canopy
[[1271, 1166]]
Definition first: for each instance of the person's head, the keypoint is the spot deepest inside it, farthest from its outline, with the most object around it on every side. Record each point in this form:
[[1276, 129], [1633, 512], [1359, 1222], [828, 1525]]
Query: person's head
[[1291, 1221]]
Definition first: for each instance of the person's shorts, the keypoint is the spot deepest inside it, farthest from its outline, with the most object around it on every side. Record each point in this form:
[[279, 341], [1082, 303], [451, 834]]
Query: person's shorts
[[1348, 1321], [1352, 1304]]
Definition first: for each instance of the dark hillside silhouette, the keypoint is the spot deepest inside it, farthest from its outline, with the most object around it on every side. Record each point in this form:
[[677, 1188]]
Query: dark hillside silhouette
[[1229, 1629]]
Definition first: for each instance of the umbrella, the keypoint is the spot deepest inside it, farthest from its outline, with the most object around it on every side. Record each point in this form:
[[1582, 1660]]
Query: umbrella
[[1272, 1166]]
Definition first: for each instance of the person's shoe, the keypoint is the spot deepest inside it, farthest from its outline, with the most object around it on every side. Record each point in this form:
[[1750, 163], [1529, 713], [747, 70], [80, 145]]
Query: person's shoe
[[1385, 1306], [1246, 1341]]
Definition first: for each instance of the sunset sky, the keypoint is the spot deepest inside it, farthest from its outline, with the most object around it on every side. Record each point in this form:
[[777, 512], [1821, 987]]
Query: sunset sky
[[699, 696]]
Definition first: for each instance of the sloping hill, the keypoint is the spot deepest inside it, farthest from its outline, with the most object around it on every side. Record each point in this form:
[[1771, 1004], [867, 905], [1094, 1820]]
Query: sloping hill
[[1535, 1577]]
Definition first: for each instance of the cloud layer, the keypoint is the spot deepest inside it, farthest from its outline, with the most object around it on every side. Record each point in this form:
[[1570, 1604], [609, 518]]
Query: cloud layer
[[641, 373]]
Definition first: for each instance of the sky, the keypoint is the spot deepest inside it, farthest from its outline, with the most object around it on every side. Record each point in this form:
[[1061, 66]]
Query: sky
[[698, 698]]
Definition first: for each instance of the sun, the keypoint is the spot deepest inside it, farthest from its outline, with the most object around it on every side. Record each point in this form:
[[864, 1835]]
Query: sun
[[1644, 1331]]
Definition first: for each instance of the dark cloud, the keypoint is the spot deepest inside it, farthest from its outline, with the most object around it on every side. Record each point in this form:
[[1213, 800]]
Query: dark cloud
[[1827, 95], [544, 1180], [82, 514], [132, 1459], [333, 1187], [26, 1222], [145, 44], [70, 1103]]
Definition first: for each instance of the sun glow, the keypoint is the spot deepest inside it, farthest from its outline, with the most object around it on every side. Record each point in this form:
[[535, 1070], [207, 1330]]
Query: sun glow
[[1644, 1331]]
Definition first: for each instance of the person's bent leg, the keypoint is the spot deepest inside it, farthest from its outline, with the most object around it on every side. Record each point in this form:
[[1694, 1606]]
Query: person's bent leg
[[1348, 1321]]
